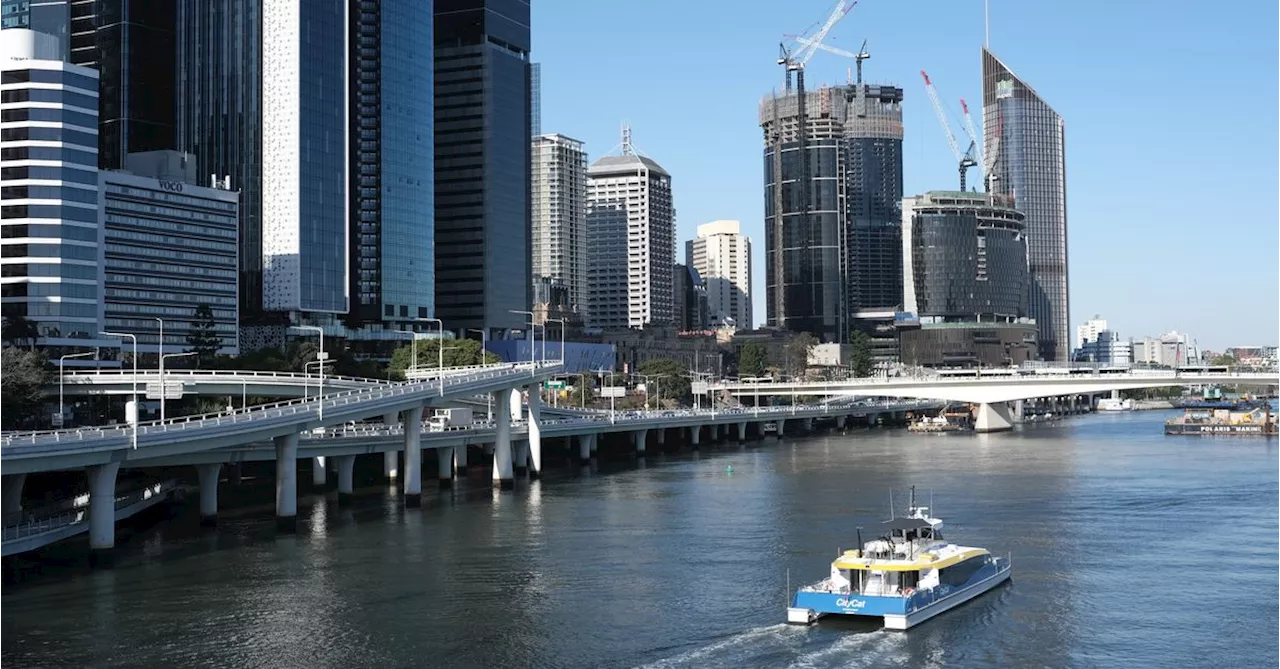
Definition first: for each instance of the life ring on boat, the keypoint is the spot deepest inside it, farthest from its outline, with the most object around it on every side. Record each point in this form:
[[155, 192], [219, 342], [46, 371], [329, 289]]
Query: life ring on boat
[[908, 592]]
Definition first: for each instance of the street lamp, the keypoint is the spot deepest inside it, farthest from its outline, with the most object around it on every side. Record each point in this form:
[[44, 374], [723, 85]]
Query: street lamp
[[160, 358], [62, 362], [533, 337], [439, 371], [321, 356], [306, 372], [162, 387], [134, 437], [484, 352], [414, 347], [544, 337]]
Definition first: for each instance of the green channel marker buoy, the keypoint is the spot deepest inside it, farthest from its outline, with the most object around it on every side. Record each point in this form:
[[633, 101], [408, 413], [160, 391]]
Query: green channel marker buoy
[[729, 469]]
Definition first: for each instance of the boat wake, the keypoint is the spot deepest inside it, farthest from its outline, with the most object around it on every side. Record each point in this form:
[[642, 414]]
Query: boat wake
[[794, 647]]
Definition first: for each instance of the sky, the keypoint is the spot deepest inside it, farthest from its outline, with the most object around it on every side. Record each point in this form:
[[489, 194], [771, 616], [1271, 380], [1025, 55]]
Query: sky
[[1170, 108]]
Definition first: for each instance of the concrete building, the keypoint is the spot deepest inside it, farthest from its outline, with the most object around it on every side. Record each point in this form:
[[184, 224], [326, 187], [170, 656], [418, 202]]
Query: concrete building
[[559, 203], [52, 235], [391, 221], [1106, 348], [170, 246], [722, 256], [483, 156], [1170, 349], [1027, 138], [304, 158], [631, 241], [1089, 331]]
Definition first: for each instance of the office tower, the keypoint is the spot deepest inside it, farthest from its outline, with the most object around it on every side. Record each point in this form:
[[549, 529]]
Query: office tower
[[836, 253], [52, 234], [219, 117], [392, 154], [721, 254], [483, 152], [689, 290], [1089, 331], [631, 241], [131, 45], [180, 255], [1027, 137], [559, 203], [304, 156], [535, 99]]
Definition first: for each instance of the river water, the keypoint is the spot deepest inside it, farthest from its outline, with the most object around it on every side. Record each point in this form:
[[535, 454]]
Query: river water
[[1130, 549]]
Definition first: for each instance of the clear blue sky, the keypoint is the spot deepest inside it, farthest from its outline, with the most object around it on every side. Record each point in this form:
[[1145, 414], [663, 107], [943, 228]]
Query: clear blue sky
[[1171, 113]]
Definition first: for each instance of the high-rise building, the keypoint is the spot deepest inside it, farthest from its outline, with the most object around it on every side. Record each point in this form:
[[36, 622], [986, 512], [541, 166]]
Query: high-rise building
[[535, 99], [1105, 347], [690, 292], [51, 266], [721, 254], [836, 253], [1028, 139], [483, 149], [304, 157], [1089, 331], [392, 154], [631, 241], [559, 204]]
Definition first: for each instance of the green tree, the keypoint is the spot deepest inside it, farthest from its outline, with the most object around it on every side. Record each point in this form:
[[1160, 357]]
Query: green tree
[[18, 329], [584, 393], [1223, 359], [203, 337], [674, 381], [798, 352], [22, 385], [457, 353], [752, 358], [860, 353]]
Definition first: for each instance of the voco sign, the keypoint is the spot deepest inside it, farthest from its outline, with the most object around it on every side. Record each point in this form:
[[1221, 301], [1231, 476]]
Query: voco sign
[[171, 186]]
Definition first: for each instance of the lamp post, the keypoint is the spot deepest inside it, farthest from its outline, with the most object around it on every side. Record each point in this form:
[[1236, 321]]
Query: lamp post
[[62, 361], [306, 371], [134, 437], [160, 358], [320, 356], [163, 356], [544, 337], [484, 353], [533, 336], [414, 347], [440, 363]]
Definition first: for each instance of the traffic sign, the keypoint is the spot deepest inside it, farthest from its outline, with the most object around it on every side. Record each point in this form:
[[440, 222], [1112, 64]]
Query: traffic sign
[[555, 385], [57, 419], [172, 390], [613, 391], [698, 387]]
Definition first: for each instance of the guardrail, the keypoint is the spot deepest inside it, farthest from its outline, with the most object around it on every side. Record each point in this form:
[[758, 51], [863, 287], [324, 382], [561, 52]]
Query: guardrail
[[1027, 377], [80, 514], [262, 411]]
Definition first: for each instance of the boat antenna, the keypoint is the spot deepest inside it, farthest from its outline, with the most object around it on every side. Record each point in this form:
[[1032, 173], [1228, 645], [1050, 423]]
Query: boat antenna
[[859, 530], [931, 509], [891, 516], [912, 507]]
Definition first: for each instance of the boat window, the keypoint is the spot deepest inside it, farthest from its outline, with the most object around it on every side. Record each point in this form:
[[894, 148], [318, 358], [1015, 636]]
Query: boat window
[[959, 574]]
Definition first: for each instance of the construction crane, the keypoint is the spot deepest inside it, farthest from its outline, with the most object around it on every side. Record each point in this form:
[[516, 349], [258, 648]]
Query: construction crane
[[966, 159], [859, 57], [973, 136]]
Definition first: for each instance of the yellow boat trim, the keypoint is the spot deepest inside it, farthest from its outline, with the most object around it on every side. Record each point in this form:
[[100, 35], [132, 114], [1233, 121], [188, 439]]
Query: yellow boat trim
[[850, 560]]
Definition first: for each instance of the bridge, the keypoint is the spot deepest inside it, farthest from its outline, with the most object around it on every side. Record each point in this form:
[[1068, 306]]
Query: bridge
[[993, 392]]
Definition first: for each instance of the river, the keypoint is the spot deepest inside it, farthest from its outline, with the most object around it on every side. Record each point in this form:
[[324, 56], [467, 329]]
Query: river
[[1129, 548]]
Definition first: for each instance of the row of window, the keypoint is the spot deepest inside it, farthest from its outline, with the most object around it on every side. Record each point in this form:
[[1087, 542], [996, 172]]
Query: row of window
[[167, 282], [171, 212], [49, 174], [50, 115], [173, 198], [66, 155], [50, 77], [67, 251], [50, 232], [50, 211], [185, 242], [213, 300], [164, 268], [49, 193], [47, 134], [69, 290], [88, 102]]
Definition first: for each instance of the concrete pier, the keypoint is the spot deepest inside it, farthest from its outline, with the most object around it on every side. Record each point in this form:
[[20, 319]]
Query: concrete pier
[[12, 502], [391, 459], [503, 477], [695, 436], [444, 466], [346, 473], [742, 431], [287, 482], [781, 423], [520, 451], [412, 456], [208, 476], [993, 417], [460, 460], [102, 506], [319, 475], [640, 438], [662, 436], [840, 422], [586, 444], [534, 447]]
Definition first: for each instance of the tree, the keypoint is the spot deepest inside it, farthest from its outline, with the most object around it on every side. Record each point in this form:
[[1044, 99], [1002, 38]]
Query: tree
[[860, 353], [752, 358], [22, 385], [18, 329], [1223, 359], [798, 352], [203, 337], [673, 382], [583, 391], [457, 353]]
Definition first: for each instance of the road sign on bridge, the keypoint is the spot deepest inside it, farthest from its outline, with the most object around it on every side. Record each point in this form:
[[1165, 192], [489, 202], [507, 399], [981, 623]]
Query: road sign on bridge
[[172, 390]]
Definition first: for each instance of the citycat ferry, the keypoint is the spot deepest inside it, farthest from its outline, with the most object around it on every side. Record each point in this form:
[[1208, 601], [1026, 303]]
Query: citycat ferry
[[907, 575]]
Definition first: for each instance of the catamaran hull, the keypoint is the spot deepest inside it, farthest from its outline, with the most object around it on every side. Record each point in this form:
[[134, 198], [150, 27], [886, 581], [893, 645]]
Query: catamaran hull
[[909, 620]]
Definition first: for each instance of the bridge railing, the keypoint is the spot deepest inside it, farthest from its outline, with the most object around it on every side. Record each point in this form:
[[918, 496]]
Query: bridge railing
[[124, 376], [262, 411], [80, 514]]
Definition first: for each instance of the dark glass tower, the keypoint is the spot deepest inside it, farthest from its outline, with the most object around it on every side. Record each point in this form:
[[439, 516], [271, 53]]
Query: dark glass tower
[[392, 208], [1028, 139], [873, 199], [483, 154]]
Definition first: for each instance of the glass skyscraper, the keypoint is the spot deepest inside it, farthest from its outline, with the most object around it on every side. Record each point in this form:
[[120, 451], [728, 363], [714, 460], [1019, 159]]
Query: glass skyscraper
[[392, 209], [1028, 139]]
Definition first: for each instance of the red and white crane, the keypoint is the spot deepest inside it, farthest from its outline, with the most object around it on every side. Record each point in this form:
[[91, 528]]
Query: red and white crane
[[966, 159]]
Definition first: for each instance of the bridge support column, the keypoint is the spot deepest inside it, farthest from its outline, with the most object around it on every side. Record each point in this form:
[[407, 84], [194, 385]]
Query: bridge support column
[[742, 431], [514, 403], [695, 435], [412, 456], [534, 448], [993, 417], [586, 444], [208, 475], [781, 423], [840, 422], [808, 424], [662, 436], [319, 475], [460, 460], [390, 463], [1018, 409], [503, 478], [102, 506], [346, 477], [639, 439], [444, 466], [287, 482], [12, 503], [520, 450]]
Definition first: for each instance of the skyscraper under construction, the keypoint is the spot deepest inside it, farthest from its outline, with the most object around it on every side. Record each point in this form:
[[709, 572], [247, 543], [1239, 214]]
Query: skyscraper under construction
[[832, 221]]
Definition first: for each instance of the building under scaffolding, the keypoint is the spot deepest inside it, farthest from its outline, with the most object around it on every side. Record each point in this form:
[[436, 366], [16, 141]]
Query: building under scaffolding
[[833, 248]]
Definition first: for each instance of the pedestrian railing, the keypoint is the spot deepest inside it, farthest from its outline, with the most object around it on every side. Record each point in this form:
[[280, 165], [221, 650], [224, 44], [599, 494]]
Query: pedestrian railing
[[81, 514]]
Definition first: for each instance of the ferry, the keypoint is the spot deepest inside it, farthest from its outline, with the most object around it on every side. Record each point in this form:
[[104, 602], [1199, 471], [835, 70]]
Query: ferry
[[1246, 417], [906, 576], [934, 424]]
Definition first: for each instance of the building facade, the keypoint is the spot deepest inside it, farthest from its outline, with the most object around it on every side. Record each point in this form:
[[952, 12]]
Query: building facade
[[952, 345], [304, 157], [692, 310], [1171, 349], [483, 147], [391, 222], [170, 246], [1028, 139], [964, 257], [1089, 331], [721, 254], [1105, 347], [559, 204], [836, 252], [51, 241], [631, 222]]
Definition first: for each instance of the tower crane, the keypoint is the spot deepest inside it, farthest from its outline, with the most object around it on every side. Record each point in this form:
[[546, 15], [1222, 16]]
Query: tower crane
[[966, 159], [973, 137]]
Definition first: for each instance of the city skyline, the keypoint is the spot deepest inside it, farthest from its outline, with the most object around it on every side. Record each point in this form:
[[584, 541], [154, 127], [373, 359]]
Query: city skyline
[[1143, 110]]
